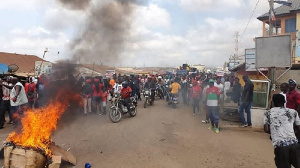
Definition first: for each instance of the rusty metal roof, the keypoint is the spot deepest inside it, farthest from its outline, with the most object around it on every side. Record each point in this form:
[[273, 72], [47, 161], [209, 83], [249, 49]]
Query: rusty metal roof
[[283, 10], [26, 63]]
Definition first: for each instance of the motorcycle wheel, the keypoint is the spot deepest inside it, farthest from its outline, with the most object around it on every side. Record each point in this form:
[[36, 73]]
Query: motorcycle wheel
[[115, 115], [132, 113]]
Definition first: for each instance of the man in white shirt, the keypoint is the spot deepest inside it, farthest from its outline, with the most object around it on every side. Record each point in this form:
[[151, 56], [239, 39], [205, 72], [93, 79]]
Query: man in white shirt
[[18, 99], [279, 122]]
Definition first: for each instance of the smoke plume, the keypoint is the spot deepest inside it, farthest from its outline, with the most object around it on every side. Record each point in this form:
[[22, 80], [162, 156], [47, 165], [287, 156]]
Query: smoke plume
[[76, 4], [107, 28]]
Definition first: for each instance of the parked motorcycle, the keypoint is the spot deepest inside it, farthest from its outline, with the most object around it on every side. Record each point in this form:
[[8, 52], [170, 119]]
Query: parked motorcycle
[[118, 108], [148, 94]]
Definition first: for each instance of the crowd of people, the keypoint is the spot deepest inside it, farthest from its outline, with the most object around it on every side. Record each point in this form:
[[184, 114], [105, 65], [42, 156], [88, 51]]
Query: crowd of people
[[200, 90]]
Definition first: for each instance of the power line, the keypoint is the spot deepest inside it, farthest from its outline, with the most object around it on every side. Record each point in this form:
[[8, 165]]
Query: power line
[[249, 20]]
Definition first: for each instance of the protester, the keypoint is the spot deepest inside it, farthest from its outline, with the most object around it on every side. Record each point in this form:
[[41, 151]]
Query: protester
[[279, 122], [212, 102], [284, 89], [184, 89], [31, 92], [18, 100], [246, 102], [87, 92], [293, 96], [104, 101], [5, 103], [97, 95], [195, 93], [236, 91]]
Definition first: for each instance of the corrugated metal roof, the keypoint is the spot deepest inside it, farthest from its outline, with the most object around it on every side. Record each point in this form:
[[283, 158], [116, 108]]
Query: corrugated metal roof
[[26, 63], [283, 10]]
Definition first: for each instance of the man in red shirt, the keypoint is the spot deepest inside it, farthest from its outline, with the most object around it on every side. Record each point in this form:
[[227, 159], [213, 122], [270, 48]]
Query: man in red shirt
[[30, 90], [293, 96], [125, 93], [195, 95]]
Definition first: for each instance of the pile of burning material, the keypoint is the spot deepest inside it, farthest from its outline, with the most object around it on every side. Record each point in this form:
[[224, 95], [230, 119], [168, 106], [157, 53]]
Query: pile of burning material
[[31, 145]]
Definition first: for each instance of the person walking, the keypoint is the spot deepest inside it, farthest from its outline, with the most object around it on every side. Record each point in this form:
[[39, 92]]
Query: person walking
[[284, 89], [212, 102], [195, 93], [279, 122], [246, 102]]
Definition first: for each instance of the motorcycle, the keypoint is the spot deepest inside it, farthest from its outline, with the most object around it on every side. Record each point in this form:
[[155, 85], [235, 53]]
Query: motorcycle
[[148, 98], [174, 100], [159, 91], [118, 108]]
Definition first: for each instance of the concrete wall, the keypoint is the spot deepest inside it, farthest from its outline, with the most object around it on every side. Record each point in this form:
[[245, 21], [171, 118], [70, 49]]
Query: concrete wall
[[257, 117]]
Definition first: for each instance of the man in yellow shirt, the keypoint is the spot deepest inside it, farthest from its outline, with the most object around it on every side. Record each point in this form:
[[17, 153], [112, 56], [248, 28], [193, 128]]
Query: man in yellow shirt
[[175, 87]]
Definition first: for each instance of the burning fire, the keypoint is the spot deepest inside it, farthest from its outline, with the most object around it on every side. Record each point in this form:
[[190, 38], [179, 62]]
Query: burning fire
[[39, 124]]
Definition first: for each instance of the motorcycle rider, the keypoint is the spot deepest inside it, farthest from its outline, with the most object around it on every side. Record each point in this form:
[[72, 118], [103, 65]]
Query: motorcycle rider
[[175, 87], [125, 93], [160, 83], [150, 84]]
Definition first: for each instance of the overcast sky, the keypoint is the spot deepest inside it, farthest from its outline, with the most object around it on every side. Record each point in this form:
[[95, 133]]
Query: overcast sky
[[162, 32]]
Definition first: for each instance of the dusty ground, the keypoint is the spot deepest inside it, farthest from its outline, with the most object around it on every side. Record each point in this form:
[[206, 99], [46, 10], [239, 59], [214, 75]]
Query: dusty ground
[[159, 137]]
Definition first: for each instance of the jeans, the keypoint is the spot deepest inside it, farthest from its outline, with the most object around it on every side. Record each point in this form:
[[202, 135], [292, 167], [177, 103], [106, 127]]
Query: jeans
[[213, 114], [247, 108]]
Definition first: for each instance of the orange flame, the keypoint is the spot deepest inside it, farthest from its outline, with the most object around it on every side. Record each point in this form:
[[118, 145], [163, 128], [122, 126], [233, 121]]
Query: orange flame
[[39, 124]]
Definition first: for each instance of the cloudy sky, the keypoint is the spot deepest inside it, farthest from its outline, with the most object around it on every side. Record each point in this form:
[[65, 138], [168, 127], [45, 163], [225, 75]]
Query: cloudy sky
[[161, 32]]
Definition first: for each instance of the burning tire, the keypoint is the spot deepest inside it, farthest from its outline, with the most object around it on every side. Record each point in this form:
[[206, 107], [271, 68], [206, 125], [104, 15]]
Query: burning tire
[[115, 115]]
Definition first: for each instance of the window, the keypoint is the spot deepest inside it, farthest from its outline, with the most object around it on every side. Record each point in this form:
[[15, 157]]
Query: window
[[290, 25]]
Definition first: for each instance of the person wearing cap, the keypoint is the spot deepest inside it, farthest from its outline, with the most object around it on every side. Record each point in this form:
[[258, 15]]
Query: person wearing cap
[[246, 102], [292, 96], [212, 104]]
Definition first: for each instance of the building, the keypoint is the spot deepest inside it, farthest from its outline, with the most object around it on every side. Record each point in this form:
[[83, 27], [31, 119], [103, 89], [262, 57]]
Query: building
[[287, 22], [26, 63]]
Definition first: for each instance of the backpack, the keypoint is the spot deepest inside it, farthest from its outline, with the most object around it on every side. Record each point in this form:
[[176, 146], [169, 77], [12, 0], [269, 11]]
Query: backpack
[[30, 93]]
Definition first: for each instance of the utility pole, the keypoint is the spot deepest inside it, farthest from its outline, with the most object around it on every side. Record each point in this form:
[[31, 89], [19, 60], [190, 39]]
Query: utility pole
[[271, 25], [236, 53]]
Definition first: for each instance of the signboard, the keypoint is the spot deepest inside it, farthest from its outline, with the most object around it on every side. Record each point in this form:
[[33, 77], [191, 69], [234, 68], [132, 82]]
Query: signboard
[[42, 67], [250, 60], [274, 51], [231, 65]]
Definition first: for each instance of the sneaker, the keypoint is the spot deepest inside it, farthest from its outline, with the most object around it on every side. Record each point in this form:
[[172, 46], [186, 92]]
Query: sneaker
[[211, 128], [205, 121], [250, 126], [243, 125], [217, 130], [193, 114]]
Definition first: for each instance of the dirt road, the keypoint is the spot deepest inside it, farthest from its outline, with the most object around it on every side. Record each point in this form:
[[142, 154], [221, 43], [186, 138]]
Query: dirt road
[[161, 137]]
